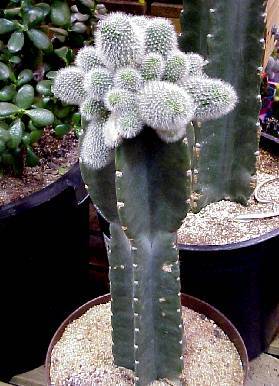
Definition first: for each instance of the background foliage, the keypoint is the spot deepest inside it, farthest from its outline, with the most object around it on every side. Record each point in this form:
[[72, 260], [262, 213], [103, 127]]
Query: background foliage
[[36, 39]]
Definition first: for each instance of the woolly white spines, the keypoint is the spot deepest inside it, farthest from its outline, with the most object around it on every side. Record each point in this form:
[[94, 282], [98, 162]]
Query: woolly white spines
[[118, 100], [97, 82], [128, 78], [177, 66], [213, 97], [152, 67], [117, 41], [130, 124], [68, 85], [160, 37], [87, 58], [166, 106], [196, 63], [93, 151], [91, 110]]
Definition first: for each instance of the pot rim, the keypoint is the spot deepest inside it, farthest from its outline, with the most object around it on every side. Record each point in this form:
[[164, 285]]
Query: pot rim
[[193, 303], [69, 179], [232, 246]]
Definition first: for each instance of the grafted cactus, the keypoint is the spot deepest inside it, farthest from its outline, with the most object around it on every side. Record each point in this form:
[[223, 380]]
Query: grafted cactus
[[230, 35], [135, 160]]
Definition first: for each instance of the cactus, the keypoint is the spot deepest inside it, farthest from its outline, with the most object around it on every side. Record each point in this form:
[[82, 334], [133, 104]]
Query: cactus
[[229, 33], [152, 67], [135, 160]]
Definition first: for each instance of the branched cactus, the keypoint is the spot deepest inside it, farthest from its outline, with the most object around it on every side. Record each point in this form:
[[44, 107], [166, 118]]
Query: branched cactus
[[230, 35], [135, 160]]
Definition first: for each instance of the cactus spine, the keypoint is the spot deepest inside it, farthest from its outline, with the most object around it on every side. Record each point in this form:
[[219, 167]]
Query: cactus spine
[[229, 33], [135, 160]]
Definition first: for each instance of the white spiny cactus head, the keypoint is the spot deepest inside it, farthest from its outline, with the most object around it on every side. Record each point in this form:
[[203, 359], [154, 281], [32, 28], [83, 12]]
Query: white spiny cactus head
[[152, 67], [197, 64], [163, 105], [130, 124], [117, 41], [128, 78], [140, 21], [93, 150], [118, 100], [97, 82], [88, 58], [177, 66], [112, 137], [93, 110], [213, 97], [160, 37], [68, 85]]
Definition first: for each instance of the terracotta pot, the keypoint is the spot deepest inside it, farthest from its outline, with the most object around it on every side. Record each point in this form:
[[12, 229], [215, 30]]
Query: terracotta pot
[[186, 300]]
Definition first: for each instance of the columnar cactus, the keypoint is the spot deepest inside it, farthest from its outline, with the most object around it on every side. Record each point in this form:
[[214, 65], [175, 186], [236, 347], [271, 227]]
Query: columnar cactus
[[229, 34], [135, 161]]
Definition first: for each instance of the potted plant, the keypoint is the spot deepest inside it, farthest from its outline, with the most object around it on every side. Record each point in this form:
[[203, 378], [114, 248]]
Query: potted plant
[[230, 36], [137, 93], [36, 39]]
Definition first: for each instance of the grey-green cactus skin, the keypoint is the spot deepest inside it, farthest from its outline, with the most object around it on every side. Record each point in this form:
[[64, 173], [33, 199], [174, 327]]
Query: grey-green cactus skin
[[101, 187], [230, 34], [152, 187]]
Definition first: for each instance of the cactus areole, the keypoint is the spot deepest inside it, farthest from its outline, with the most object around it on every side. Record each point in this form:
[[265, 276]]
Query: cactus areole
[[137, 94]]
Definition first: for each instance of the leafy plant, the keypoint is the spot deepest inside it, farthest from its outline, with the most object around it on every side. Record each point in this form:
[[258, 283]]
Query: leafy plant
[[37, 38], [138, 94]]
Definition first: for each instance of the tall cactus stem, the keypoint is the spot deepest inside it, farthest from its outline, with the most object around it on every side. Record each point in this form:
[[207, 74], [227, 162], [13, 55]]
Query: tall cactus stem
[[232, 32], [152, 210]]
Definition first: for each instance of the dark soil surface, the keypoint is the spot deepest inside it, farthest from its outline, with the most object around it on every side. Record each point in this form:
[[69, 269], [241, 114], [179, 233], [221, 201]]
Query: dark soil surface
[[56, 158]]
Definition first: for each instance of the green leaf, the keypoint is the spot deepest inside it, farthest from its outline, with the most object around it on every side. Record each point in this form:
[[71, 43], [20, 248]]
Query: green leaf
[[25, 96], [4, 125], [12, 12], [76, 119], [16, 131], [35, 135], [7, 109], [7, 93], [62, 112], [65, 53], [24, 76], [15, 59], [51, 74], [39, 39], [4, 135], [44, 87], [61, 130], [59, 31], [16, 41], [2, 146], [31, 126], [44, 7], [33, 16], [5, 72], [79, 27], [41, 117], [60, 13], [26, 139], [31, 158], [6, 26]]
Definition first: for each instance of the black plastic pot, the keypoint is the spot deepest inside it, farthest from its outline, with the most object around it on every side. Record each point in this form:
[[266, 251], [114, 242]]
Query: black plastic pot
[[241, 280], [44, 268]]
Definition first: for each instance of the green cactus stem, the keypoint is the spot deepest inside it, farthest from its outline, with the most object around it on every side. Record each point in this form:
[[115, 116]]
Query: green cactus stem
[[152, 185], [101, 187], [230, 34]]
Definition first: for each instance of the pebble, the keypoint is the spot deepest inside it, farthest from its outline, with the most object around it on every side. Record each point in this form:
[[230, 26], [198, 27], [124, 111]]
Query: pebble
[[83, 356]]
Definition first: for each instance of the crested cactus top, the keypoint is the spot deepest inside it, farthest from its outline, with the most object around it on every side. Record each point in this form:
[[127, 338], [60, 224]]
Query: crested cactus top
[[136, 76]]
